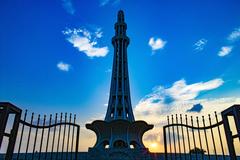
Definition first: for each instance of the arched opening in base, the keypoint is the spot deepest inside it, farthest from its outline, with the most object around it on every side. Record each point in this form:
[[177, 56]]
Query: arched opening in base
[[119, 144]]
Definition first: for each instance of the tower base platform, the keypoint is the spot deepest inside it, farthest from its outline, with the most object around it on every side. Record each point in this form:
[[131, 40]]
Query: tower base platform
[[119, 134]]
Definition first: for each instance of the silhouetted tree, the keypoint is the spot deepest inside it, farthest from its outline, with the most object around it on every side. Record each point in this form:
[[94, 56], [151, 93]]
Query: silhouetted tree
[[197, 151]]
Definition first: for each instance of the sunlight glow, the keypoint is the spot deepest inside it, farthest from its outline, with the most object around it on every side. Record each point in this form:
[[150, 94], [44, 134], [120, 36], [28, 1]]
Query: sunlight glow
[[153, 147]]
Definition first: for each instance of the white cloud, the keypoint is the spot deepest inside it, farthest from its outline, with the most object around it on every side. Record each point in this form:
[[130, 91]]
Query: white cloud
[[99, 33], [177, 99], [181, 91], [105, 2], [235, 35], [179, 96], [156, 44], [68, 6], [225, 50], [86, 41], [105, 104], [200, 44], [232, 37], [63, 66]]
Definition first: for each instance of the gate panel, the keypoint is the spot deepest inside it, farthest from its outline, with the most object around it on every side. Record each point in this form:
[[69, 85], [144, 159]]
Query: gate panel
[[41, 137], [235, 112], [5, 110], [200, 138]]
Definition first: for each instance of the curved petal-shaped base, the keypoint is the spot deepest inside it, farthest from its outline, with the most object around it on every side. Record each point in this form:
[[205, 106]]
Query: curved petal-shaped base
[[119, 133]]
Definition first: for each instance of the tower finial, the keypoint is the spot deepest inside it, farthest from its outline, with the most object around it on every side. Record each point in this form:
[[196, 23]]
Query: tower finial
[[120, 16]]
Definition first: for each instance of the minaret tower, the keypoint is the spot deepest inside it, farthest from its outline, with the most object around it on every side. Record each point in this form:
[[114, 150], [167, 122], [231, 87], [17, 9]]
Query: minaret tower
[[119, 135], [119, 105]]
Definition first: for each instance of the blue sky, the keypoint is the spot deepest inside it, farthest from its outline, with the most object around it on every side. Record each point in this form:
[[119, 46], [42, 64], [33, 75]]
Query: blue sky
[[57, 55]]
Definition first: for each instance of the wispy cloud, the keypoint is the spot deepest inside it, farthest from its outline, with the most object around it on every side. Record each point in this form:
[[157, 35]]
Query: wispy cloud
[[225, 50], [63, 66], [156, 44], [68, 6], [235, 35], [180, 93], [232, 38], [86, 41], [105, 2], [200, 44]]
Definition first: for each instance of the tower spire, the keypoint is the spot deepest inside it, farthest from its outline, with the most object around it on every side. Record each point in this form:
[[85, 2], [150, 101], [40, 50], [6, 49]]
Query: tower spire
[[120, 16], [119, 104]]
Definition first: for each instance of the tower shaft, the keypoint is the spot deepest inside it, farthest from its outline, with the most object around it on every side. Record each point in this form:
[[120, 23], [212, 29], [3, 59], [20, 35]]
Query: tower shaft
[[119, 104]]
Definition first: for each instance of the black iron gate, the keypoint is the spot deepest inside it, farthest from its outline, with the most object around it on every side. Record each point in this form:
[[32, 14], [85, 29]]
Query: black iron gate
[[42, 138], [184, 140]]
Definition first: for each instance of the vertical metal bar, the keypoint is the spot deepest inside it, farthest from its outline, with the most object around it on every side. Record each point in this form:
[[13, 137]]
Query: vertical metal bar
[[219, 134], [73, 133], [35, 139], [13, 135], [184, 148], [77, 142], [214, 146], [199, 136], [169, 136], [4, 113], [175, 154], [205, 133], [194, 142], [29, 134], [46, 150], [165, 143], [54, 133], [40, 149], [189, 144], [21, 135], [236, 116], [64, 130], [179, 144], [59, 134], [229, 137], [70, 120]]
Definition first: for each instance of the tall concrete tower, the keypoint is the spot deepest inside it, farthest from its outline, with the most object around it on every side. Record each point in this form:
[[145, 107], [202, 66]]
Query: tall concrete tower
[[119, 136], [119, 105]]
